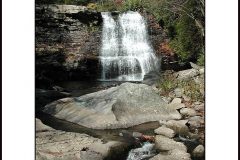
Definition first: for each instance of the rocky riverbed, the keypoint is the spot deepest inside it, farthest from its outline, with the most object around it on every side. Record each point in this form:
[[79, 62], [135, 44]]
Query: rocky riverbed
[[78, 117], [57, 144], [180, 134]]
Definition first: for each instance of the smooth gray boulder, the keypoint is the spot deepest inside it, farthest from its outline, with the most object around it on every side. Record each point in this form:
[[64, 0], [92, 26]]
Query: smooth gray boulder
[[199, 107], [166, 144], [201, 71], [179, 126], [170, 149], [166, 99], [186, 74], [178, 92], [186, 98], [176, 105], [123, 106], [196, 121], [165, 131], [189, 112], [176, 101], [162, 122], [198, 151], [195, 66]]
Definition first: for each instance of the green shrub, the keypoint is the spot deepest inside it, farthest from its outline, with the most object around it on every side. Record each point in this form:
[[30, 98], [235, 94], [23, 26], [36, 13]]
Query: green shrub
[[191, 89], [168, 83], [132, 4], [108, 6], [187, 41], [70, 2], [183, 20], [114, 6], [92, 6], [201, 60]]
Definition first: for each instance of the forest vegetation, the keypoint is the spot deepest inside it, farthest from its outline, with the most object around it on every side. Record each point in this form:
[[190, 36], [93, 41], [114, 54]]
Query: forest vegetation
[[182, 20]]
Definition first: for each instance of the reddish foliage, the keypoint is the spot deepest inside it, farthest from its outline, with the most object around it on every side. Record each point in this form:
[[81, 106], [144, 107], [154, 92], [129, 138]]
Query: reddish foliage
[[165, 49], [118, 2]]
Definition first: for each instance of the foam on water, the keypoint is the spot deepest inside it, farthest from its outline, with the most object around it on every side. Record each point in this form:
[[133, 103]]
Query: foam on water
[[126, 54], [146, 151]]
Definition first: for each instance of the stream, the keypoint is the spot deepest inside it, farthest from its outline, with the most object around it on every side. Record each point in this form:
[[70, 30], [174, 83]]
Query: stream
[[77, 88], [144, 152], [126, 55], [135, 152]]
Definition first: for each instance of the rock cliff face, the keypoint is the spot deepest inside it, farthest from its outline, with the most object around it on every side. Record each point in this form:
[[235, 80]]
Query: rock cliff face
[[68, 40], [68, 28]]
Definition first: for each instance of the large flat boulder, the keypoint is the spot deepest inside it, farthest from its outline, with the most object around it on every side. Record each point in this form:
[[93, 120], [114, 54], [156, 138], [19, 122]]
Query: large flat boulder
[[54, 144], [118, 107]]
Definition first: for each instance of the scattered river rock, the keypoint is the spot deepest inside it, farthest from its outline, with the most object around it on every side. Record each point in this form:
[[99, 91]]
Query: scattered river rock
[[188, 112], [201, 71], [196, 121], [176, 105], [199, 107], [187, 74], [166, 144], [118, 107], [176, 100], [186, 98], [178, 92], [178, 126], [198, 151], [165, 131], [195, 66], [170, 149]]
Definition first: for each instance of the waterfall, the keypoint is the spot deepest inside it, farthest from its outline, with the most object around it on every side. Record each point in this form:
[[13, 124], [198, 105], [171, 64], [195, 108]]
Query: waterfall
[[126, 54]]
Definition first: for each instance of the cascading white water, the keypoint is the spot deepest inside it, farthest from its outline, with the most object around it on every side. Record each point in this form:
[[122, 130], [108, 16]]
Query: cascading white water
[[110, 47], [126, 54], [146, 151]]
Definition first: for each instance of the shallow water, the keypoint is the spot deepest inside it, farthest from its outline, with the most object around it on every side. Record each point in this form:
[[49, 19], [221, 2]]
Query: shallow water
[[78, 88], [107, 135], [144, 152]]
